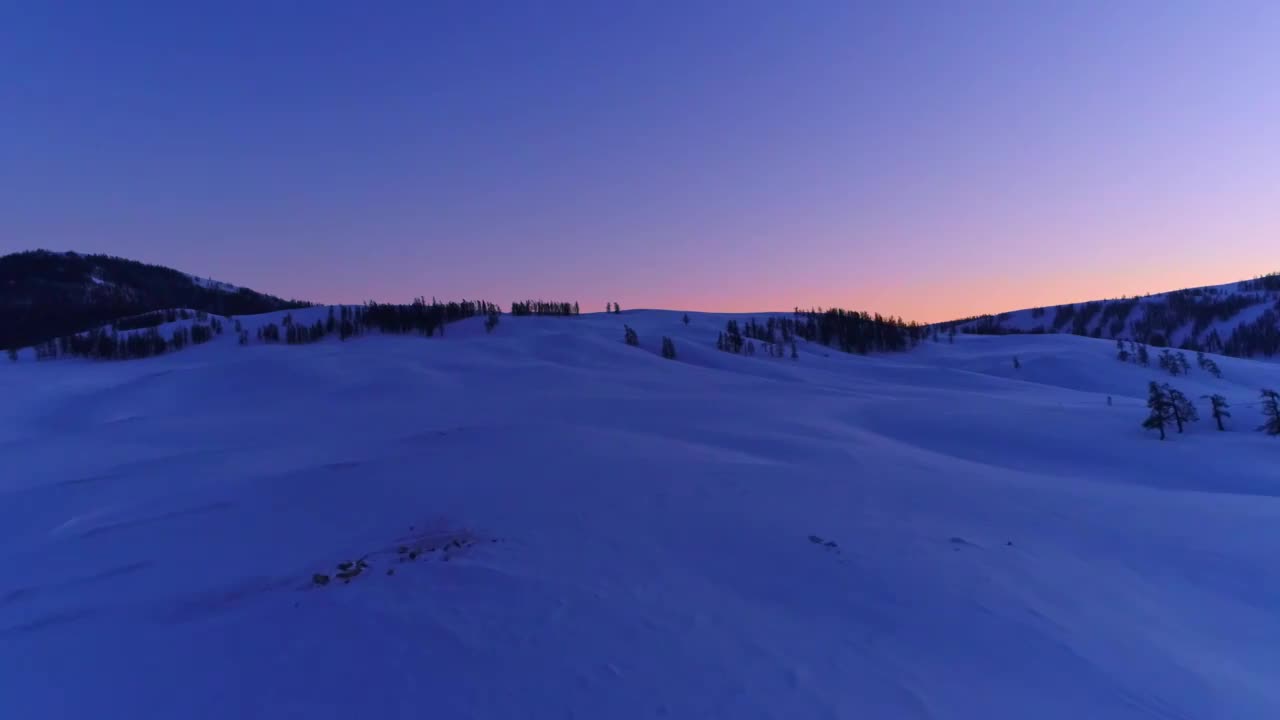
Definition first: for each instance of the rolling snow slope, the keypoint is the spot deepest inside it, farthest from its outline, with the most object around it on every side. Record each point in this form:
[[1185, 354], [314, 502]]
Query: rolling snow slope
[[1240, 318], [635, 532]]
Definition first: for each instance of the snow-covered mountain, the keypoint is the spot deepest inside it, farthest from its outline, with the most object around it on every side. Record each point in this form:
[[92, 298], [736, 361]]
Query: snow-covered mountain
[[45, 295], [1241, 319], [543, 522]]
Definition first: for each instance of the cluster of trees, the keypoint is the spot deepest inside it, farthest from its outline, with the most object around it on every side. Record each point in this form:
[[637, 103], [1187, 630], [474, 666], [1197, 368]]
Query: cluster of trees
[[46, 295], [1159, 321], [151, 319], [612, 307], [630, 337], [845, 330], [1174, 363], [1168, 407], [542, 307], [852, 331], [110, 344], [419, 316]]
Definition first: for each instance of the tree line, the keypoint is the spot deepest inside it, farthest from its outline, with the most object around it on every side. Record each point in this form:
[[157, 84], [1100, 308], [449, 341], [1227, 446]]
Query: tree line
[[1169, 408]]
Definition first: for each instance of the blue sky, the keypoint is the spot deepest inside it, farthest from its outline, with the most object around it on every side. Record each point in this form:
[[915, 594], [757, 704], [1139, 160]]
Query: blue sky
[[924, 159]]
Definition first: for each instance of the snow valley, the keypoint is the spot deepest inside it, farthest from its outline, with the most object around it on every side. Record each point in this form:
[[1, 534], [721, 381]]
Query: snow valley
[[534, 516]]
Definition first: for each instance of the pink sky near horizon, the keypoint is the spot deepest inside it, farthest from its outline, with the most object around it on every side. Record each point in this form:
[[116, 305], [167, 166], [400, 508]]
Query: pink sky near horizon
[[930, 160]]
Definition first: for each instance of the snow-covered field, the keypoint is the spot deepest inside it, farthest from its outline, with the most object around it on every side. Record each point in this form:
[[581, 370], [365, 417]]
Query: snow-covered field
[[598, 532]]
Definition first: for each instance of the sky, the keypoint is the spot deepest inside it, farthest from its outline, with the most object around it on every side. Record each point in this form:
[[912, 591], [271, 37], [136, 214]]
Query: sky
[[930, 160]]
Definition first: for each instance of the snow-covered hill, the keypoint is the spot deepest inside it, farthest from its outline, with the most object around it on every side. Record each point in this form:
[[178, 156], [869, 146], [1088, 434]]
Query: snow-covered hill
[[1240, 319], [558, 525]]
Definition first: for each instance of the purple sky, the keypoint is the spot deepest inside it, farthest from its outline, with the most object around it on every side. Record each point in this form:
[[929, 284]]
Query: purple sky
[[930, 160]]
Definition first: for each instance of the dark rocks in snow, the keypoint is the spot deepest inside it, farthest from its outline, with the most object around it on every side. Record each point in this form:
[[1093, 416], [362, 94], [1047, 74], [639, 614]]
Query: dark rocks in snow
[[320, 579]]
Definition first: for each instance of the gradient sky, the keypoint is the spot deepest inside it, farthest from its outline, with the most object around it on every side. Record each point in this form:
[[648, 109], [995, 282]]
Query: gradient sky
[[925, 159]]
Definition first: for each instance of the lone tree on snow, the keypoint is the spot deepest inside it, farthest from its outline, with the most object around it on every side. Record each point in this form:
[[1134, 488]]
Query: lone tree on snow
[[491, 322], [1144, 358], [1121, 353], [1271, 411], [1220, 406], [1161, 409], [1016, 365], [1168, 362], [1181, 360], [630, 336], [1184, 411], [686, 318], [668, 348], [795, 354]]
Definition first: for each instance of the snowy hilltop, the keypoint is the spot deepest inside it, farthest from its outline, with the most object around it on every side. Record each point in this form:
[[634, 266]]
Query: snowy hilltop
[[1241, 319], [630, 515]]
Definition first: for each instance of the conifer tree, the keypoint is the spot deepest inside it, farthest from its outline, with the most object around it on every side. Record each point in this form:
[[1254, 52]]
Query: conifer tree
[[751, 347], [576, 311], [795, 355], [491, 322], [668, 348], [617, 309], [1121, 353], [1220, 406], [1180, 360], [1207, 364], [1184, 411], [951, 334], [1144, 358], [629, 336], [1016, 365], [1161, 409], [1271, 411], [686, 318]]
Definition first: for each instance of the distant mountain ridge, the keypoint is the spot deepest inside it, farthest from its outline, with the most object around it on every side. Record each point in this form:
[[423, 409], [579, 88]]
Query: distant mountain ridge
[[1241, 319], [44, 294]]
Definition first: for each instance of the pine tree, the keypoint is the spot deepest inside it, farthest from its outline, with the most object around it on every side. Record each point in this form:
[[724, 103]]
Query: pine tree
[[951, 334], [1207, 364], [629, 336], [1121, 353], [331, 322], [795, 355], [686, 318], [576, 311], [1220, 406], [1161, 409], [751, 347], [1181, 361], [1016, 365], [491, 322], [1144, 358], [1271, 411], [1168, 363], [668, 348], [1184, 411], [720, 342]]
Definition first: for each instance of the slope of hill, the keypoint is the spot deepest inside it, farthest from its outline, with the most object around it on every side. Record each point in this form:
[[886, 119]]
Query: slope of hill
[[1240, 319], [553, 524], [44, 295]]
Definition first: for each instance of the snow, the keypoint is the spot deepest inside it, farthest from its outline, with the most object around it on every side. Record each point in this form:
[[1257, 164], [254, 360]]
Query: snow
[[636, 531], [1027, 320]]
